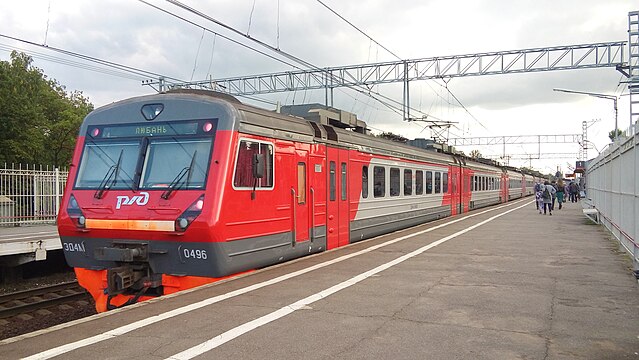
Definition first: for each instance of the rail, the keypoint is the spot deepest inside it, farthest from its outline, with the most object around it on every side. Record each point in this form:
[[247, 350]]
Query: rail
[[26, 301]]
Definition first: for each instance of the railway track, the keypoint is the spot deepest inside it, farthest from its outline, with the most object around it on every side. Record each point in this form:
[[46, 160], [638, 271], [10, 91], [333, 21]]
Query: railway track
[[31, 300]]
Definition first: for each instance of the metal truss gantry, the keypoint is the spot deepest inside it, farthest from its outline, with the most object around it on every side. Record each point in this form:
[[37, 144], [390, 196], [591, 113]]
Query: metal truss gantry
[[597, 55], [520, 140], [516, 140]]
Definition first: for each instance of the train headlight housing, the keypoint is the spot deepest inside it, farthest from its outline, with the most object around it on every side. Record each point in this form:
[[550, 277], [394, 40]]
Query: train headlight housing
[[187, 217], [75, 213]]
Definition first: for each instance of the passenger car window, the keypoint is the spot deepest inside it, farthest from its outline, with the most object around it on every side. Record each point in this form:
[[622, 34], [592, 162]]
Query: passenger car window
[[379, 181], [408, 182]]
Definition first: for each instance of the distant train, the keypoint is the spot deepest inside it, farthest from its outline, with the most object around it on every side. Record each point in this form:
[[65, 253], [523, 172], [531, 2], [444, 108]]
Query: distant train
[[175, 190]]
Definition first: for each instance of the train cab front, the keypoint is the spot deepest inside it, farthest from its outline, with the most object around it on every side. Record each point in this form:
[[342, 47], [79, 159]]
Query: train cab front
[[135, 215]]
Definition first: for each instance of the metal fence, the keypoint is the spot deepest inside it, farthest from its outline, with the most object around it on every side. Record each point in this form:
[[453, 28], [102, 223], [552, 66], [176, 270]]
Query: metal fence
[[612, 183], [30, 194]]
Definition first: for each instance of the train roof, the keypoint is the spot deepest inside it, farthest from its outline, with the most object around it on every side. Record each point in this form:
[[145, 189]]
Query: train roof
[[258, 121]]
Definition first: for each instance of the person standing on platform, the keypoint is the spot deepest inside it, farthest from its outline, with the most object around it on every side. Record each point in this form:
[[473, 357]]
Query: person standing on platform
[[538, 196], [560, 192], [554, 195], [574, 189], [546, 195]]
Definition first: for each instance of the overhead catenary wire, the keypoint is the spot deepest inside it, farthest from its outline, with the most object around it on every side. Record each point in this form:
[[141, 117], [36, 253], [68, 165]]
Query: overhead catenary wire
[[220, 35], [358, 29], [263, 44], [130, 69], [75, 64]]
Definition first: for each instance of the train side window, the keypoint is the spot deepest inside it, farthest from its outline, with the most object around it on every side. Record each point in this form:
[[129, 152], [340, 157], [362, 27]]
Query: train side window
[[301, 183], [408, 182], [243, 177], [364, 182], [445, 183], [394, 182], [379, 181], [332, 183], [438, 182], [429, 182], [343, 181], [475, 183], [419, 182]]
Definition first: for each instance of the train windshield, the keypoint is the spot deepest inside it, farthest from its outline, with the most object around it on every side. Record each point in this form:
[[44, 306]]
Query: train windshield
[[169, 155], [109, 164], [176, 163]]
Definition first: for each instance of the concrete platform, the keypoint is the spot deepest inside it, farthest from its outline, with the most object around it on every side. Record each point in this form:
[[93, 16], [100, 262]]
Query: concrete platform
[[505, 283], [27, 243]]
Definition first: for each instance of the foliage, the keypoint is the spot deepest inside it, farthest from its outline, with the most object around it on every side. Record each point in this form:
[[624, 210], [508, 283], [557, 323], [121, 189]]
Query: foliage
[[612, 136], [475, 154], [39, 120], [393, 137]]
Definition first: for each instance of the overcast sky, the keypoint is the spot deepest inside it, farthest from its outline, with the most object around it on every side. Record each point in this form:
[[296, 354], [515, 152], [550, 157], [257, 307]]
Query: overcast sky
[[135, 34]]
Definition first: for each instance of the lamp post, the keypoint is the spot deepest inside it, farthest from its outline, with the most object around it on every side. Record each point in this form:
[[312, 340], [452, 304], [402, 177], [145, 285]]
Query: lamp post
[[592, 144], [601, 96]]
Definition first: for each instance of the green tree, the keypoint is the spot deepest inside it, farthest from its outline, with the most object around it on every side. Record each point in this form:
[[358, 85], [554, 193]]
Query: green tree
[[39, 120], [393, 137], [612, 136], [475, 154]]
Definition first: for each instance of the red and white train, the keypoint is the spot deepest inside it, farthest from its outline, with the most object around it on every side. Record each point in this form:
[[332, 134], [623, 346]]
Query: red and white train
[[174, 190]]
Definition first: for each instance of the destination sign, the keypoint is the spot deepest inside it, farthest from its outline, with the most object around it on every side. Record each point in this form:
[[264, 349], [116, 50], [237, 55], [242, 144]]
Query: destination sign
[[160, 129]]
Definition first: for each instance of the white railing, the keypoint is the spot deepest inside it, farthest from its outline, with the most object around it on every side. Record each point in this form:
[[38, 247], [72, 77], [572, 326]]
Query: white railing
[[30, 194], [612, 187]]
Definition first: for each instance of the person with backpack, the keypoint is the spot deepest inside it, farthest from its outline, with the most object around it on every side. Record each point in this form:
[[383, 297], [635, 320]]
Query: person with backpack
[[547, 194], [560, 192], [539, 200], [574, 189]]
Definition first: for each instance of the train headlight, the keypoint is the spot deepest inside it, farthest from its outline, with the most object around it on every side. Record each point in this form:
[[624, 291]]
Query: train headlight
[[151, 111], [181, 223], [75, 213], [187, 217]]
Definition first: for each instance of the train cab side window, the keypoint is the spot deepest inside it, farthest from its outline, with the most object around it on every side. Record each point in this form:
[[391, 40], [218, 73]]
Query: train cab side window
[[364, 182], [475, 183], [445, 183], [429, 182], [379, 181], [419, 182], [332, 181], [301, 183], [343, 181], [438, 182], [408, 182], [243, 177], [394, 182]]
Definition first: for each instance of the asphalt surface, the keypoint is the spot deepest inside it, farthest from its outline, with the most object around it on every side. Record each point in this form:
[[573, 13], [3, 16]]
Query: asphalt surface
[[496, 285]]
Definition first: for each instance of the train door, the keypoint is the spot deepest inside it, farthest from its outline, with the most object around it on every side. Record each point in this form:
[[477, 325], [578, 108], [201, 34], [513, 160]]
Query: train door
[[337, 215], [299, 197], [456, 190], [344, 214]]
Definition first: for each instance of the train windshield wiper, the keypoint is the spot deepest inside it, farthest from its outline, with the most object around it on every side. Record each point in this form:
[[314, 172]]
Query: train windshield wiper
[[177, 182], [107, 182]]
